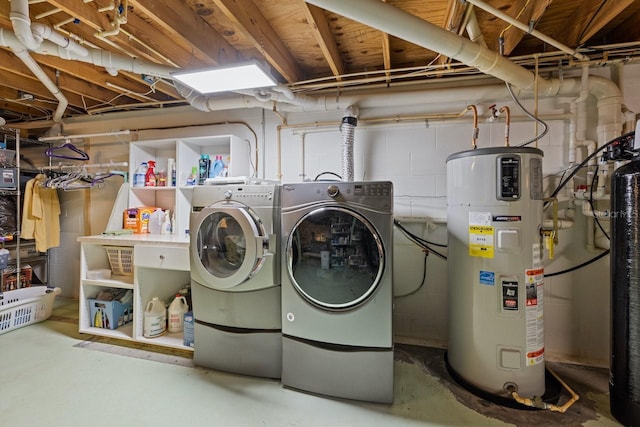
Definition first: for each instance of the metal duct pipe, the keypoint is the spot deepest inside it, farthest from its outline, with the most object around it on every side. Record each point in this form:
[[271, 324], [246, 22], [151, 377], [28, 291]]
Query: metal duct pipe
[[348, 130], [398, 23]]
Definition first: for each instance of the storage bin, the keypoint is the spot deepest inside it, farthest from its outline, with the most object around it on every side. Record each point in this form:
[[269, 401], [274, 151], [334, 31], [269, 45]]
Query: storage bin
[[121, 260], [23, 307], [109, 314]]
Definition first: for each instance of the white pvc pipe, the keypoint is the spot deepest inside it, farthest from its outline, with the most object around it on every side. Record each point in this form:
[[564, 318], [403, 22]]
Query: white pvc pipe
[[562, 224], [401, 24], [473, 29], [24, 56], [482, 5], [21, 24]]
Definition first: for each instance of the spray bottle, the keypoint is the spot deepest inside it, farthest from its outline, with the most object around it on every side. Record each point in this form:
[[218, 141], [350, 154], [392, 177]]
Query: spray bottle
[[150, 179]]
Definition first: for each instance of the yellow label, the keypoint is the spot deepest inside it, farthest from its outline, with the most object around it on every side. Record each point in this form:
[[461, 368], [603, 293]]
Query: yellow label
[[481, 241]]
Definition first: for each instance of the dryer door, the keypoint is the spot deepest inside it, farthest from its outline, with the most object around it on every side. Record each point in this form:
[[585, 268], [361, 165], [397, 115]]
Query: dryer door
[[335, 258], [228, 246]]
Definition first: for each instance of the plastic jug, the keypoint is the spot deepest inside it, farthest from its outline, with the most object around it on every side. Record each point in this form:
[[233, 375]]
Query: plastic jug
[[155, 319], [140, 175], [155, 221], [177, 309]]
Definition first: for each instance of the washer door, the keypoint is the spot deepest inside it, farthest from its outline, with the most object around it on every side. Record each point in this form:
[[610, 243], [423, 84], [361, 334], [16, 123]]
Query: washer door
[[228, 246], [335, 258]]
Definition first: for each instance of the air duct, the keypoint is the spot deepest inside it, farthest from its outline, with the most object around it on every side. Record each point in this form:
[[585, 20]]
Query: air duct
[[348, 129]]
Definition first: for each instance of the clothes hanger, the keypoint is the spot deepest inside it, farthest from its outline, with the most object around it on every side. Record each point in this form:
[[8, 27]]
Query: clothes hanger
[[81, 155]]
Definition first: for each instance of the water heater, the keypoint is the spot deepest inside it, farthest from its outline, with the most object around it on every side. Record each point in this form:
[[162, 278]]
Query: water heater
[[495, 269]]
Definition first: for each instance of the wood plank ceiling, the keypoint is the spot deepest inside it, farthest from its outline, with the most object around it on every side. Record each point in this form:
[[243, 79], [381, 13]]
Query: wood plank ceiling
[[299, 41]]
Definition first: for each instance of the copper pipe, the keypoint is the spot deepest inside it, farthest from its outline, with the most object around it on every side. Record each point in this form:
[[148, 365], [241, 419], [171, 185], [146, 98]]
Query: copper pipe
[[474, 136], [505, 109]]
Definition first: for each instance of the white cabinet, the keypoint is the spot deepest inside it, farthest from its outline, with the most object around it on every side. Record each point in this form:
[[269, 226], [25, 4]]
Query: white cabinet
[[160, 269], [186, 152]]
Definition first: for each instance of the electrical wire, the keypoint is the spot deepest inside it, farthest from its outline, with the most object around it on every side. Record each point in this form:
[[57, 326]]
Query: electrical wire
[[545, 127], [586, 160], [567, 179], [327, 173], [419, 241], [592, 205], [422, 281], [422, 240], [584, 264]]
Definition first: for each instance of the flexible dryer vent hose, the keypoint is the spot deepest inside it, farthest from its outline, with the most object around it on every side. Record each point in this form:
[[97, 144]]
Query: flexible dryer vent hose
[[348, 130]]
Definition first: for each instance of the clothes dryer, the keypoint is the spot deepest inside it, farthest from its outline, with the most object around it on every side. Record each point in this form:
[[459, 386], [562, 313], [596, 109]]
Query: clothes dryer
[[337, 289], [235, 278]]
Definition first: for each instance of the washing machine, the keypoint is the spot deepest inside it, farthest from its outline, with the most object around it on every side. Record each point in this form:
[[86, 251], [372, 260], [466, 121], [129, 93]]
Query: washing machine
[[337, 289], [235, 278]]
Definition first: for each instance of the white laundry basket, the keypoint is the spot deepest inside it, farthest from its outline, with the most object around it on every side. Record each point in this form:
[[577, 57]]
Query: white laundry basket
[[22, 307]]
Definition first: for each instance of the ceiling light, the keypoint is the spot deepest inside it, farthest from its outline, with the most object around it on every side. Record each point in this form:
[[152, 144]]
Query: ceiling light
[[245, 75]]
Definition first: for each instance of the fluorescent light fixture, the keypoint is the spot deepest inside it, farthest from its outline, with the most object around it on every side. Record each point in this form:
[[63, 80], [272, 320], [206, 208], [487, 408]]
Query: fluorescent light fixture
[[245, 75]]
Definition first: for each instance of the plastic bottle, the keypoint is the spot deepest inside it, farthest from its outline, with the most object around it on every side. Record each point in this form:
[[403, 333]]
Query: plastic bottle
[[217, 168], [140, 175], [225, 171], [171, 168], [193, 178], [162, 178], [204, 165], [150, 179], [155, 221], [155, 319], [177, 309], [166, 224]]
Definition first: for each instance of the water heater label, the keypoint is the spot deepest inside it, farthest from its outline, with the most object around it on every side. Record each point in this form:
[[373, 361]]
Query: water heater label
[[487, 278], [534, 279], [509, 295], [481, 242]]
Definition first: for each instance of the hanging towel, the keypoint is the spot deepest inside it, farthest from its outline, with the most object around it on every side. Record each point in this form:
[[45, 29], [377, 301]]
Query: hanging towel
[[41, 214]]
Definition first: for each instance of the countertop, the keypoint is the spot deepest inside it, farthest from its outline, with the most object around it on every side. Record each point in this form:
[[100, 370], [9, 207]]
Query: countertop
[[137, 239]]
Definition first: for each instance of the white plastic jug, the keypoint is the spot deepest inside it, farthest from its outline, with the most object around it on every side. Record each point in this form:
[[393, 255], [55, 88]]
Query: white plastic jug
[[155, 319], [177, 309], [155, 221]]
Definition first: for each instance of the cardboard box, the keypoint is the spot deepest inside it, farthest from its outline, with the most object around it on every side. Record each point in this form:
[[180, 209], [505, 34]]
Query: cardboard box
[[10, 278], [188, 332], [109, 314], [137, 219]]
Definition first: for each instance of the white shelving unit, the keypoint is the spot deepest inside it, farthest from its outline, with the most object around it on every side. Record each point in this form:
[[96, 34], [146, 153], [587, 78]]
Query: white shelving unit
[[186, 152], [160, 269]]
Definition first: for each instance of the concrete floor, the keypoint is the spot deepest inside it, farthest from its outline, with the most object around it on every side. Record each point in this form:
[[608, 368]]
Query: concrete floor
[[53, 376]]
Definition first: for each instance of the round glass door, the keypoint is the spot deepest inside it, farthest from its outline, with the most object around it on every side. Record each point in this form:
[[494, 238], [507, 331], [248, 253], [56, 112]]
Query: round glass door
[[335, 258], [227, 246]]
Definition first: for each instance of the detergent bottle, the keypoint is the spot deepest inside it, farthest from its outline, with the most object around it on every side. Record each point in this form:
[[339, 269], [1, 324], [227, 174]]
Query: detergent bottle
[[140, 175], [155, 319], [177, 309], [217, 168], [150, 179]]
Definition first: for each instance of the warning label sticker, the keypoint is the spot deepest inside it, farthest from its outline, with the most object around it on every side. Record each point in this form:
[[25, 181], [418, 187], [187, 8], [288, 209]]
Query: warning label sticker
[[481, 241], [534, 281]]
